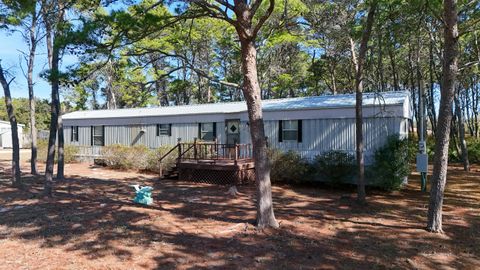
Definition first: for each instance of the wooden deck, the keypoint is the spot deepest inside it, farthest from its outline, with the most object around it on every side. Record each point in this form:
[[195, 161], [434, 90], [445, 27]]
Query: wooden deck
[[214, 163]]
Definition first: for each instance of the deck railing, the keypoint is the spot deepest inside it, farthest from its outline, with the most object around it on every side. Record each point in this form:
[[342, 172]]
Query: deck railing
[[207, 151], [213, 152]]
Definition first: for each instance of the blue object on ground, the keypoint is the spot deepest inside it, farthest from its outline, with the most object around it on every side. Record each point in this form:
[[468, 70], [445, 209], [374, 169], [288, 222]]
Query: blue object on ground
[[143, 194]]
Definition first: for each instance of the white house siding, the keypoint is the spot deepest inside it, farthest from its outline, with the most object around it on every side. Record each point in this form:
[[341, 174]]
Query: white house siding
[[6, 134], [318, 135], [328, 123], [321, 135], [131, 134]]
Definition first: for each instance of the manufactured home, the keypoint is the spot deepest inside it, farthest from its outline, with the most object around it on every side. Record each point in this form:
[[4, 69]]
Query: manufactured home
[[307, 125]]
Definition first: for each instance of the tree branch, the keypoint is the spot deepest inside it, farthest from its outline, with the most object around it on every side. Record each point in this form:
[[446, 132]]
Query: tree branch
[[215, 11], [262, 19]]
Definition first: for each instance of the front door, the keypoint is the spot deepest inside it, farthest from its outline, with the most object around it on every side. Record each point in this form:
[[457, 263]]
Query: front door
[[233, 131]]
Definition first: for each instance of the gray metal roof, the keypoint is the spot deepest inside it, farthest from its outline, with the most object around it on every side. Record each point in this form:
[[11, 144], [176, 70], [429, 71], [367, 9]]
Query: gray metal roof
[[301, 103]]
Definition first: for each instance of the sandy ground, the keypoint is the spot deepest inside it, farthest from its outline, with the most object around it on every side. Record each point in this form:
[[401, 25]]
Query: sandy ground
[[91, 223]]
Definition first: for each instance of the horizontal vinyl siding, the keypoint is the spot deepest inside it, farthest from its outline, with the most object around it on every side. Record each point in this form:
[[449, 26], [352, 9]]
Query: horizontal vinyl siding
[[141, 135], [319, 135]]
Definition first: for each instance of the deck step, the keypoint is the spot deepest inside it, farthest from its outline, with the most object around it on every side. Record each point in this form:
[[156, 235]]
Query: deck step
[[171, 174]]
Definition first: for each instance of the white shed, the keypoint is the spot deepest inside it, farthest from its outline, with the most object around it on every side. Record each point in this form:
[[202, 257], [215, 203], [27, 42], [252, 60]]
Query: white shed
[[6, 134]]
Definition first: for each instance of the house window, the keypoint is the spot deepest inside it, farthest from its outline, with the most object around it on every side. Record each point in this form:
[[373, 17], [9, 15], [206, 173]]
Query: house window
[[290, 130], [98, 135], [74, 134], [164, 129], [207, 131]]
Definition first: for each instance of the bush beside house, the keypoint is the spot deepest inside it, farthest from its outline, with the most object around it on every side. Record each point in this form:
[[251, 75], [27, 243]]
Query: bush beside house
[[391, 166]]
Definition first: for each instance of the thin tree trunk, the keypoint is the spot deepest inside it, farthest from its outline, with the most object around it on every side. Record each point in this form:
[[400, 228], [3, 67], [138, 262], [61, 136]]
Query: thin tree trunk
[[31, 96], [53, 52], [61, 143], [358, 63], [450, 68], [54, 113], [431, 104], [412, 91], [453, 136], [16, 174], [461, 132], [391, 53], [380, 59]]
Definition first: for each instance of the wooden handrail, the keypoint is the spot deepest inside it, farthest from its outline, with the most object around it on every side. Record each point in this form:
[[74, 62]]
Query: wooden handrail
[[183, 153], [216, 151], [168, 153]]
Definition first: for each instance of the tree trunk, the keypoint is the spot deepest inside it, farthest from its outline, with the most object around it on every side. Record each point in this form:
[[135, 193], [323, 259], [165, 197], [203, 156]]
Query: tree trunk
[[53, 52], [54, 112], [16, 174], [61, 143], [450, 68], [358, 63], [461, 132], [431, 104], [380, 60], [251, 92], [31, 96]]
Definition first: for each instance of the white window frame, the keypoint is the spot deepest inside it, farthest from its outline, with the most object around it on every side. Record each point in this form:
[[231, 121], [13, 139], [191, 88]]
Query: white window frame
[[204, 132], [102, 135], [292, 128], [74, 134]]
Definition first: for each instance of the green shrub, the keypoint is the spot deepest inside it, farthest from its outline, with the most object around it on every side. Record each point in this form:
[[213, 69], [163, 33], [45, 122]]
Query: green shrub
[[335, 167], [289, 167], [69, 152], [138, 157], [154, 156], [473, 150], [391, 164], [126, 157]]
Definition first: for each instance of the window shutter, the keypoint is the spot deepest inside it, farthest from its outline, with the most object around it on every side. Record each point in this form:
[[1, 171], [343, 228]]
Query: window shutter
[[280, 131], [299, 131], [199, 131], [71, 134], [76, 133], [158, 130], [169, 129], [214, 130], [91, 135]]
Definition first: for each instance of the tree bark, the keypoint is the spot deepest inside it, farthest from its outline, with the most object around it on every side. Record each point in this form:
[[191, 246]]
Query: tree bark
[[359, 63], [431, 104], [53, 51], [16, 174], [251, 92], [461, 133], [61, 143], [450, 69], [54, 112], [31, 96]]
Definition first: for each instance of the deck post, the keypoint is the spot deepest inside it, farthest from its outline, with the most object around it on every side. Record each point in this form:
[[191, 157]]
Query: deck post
[[195, 149], [179, 149], [236, 154], [215, 151]]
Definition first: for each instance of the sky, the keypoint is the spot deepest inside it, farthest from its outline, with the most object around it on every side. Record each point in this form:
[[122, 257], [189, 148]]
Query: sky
[[10, 46]]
